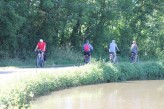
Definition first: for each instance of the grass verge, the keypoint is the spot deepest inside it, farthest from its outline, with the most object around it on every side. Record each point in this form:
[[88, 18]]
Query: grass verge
[[19, 94]]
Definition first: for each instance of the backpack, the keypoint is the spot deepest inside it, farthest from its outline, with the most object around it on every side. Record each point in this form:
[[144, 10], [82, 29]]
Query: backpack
[[86, 48]]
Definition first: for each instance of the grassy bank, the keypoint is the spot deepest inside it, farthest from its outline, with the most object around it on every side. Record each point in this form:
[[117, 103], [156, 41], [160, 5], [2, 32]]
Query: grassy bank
[[19, 94]]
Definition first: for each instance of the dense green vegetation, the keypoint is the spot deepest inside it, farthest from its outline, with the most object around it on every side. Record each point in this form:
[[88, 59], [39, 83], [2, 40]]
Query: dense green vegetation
[[19, 93], [61, 56], [64, 23]]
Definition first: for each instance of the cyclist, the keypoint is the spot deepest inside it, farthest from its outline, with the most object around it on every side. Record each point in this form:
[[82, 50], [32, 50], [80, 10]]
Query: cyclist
[[41, 45], [87, 48], [112, 50], [134, 50]]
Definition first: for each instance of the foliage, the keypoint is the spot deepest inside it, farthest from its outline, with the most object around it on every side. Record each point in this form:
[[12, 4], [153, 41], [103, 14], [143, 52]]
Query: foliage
[[65, 55], [62, 22]]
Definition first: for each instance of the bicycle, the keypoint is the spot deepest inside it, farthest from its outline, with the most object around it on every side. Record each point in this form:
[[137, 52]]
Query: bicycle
[[39, 58], [111, 58], [86, 59], [134, 58]]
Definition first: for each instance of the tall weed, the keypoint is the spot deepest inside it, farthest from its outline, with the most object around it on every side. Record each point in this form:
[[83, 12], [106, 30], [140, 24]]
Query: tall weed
[[65, 55]]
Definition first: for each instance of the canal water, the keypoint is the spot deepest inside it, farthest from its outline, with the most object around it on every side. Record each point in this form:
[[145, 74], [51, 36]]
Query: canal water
[[123, 95]]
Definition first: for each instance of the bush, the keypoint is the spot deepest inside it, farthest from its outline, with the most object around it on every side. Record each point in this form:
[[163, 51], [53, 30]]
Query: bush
[[65, 55]]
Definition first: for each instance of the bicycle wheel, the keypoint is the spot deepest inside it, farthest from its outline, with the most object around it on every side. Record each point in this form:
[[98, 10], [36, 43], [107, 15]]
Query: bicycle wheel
[[39, 61], [137, 59], [111, 58], [132, 58], [116, 60], [86, 59]]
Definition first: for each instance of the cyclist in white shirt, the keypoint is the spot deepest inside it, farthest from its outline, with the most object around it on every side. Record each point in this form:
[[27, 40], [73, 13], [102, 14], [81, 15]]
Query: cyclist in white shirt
[[112, 49]]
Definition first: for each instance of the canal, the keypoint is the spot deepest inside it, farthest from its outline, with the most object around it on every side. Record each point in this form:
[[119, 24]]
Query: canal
[[123, 95]]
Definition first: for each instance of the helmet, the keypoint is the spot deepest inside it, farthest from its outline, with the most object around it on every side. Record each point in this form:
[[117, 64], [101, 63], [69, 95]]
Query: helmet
[[41, 40], [134, 42], [87, 41]]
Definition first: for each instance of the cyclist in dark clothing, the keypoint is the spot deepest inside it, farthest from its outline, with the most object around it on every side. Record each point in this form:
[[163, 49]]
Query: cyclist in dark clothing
[[87, 48], [134, 50]]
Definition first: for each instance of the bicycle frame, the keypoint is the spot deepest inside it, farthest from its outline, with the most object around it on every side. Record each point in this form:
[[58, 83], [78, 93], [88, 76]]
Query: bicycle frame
[[134, 58], [40, 59], [86, 59], [111, 57]]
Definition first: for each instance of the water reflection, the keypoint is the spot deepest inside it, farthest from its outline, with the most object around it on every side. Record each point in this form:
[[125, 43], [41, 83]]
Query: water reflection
[[126, 95]]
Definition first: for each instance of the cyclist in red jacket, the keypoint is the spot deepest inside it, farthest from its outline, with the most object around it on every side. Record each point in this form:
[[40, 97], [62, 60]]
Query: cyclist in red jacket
[[87, 48], [41, 45]]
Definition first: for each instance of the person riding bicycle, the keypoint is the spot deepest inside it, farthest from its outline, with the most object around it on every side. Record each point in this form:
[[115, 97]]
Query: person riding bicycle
[[41, 45], [134, 50], [112, 50], [87, 48]]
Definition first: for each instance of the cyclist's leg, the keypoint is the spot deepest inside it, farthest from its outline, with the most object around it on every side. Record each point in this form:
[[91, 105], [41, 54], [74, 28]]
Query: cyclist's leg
[[85, 56], [44, 55], [38, 60], [136, 58], [89, 57], [42, 59], [132, 57], [111, 56], [114, 57]]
